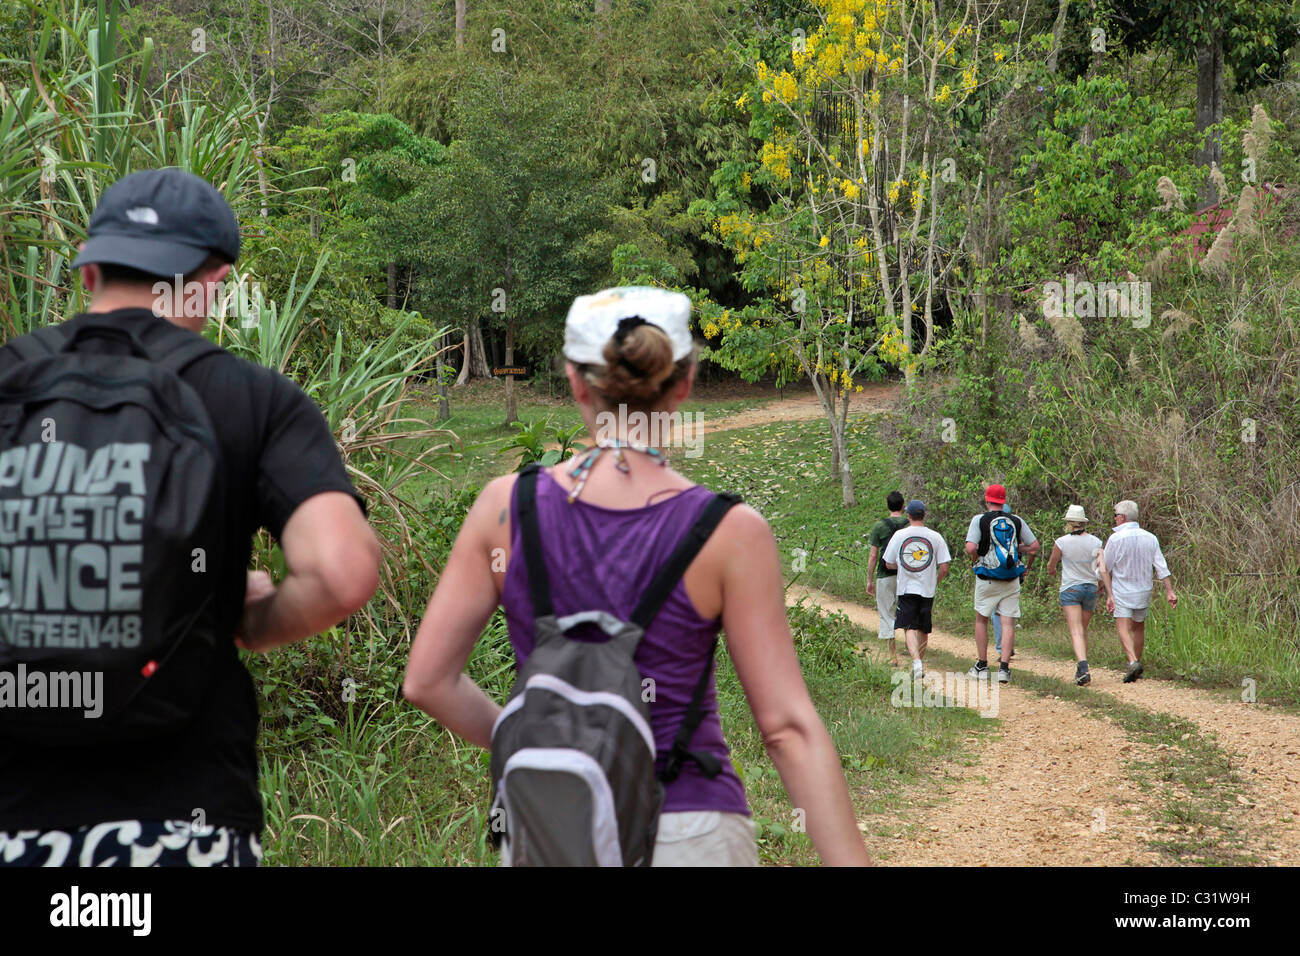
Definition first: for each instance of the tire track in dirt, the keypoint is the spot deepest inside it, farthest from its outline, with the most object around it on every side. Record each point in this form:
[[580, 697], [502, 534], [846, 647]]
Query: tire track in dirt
[[1264, 741]]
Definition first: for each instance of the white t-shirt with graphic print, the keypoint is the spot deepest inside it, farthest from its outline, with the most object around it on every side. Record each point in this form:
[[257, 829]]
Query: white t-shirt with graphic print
[[918, 552]]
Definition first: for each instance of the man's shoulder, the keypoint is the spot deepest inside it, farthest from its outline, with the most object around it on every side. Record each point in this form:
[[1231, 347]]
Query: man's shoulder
[[221, 372]]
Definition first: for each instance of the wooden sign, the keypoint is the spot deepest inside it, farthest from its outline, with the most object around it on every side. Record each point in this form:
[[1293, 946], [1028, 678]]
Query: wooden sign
[[517, 370]]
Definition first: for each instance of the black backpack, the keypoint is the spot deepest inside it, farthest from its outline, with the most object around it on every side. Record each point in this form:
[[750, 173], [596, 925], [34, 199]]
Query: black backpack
[[573, 755], [110, 502]]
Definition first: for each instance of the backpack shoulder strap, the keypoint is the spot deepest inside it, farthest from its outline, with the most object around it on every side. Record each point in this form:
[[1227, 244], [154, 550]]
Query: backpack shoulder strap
[[539, 582], [1016, 523], [662, 585], [39, 343], [986, 539], [666, 579]]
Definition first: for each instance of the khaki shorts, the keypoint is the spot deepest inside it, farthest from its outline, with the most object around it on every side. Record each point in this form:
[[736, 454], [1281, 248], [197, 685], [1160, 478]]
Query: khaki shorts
[[997, 597], [705, 838], [698, 838]]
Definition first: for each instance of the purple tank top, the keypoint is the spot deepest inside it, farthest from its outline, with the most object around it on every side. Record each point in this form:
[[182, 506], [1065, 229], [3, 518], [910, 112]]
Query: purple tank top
[[602, 559]]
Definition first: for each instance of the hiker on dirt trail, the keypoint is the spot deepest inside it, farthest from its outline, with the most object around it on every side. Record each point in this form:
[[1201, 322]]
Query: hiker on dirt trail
[[921, 559], [150, 459], [1077, 552], [618, 574], [995, 622], [884, 584], [1127, 563], [1002, 549]]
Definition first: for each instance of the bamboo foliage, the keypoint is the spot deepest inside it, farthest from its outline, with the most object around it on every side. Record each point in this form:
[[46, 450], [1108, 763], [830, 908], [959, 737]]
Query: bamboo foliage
[[87, 119]]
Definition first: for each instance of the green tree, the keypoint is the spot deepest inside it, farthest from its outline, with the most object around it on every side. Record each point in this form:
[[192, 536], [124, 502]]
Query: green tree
[[1250, 37], [512, 216]]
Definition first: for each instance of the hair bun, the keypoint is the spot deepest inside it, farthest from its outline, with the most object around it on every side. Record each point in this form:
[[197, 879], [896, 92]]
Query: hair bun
[[638, 363]]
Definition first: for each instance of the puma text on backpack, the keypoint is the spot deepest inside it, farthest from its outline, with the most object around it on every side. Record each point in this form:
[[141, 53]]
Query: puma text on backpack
[[573, 755], [999, 547], [109, 488]]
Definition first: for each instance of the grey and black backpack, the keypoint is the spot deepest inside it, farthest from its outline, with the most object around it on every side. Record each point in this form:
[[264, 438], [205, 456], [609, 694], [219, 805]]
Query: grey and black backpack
[[573, 756], [110, 479]]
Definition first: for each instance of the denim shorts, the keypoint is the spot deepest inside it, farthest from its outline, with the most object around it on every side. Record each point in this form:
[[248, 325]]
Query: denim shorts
[[1084, 595]]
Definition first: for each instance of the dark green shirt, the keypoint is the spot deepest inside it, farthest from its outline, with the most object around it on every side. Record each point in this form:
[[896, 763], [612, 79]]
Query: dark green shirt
[[881, 532]]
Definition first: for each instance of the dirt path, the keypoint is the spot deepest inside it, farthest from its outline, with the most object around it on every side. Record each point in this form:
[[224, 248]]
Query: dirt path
[[1057, 778], [876, 397]]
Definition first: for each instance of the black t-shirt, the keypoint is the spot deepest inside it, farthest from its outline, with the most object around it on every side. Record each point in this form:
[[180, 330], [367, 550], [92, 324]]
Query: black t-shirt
[[277, 451]]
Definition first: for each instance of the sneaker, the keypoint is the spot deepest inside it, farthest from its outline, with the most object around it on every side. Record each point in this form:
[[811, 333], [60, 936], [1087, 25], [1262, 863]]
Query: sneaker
[[1082, 675], [1004, 674], [917, 670], [979, 670], [1133, 672]]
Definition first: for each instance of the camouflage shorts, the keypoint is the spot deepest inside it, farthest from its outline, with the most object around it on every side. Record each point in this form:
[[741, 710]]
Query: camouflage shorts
[[131, 843]]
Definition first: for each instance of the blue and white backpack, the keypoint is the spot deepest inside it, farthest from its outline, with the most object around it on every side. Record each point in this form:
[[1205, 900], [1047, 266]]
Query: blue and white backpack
[[999, 547]]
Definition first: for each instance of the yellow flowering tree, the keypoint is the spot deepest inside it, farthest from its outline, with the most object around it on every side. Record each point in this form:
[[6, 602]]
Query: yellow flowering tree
[[835, 224]]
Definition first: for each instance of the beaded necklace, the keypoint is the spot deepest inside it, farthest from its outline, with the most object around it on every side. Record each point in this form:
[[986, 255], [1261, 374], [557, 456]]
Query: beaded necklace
[[582, 470]]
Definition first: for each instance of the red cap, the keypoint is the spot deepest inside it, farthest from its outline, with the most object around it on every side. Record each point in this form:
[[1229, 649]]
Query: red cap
[[996, 494]]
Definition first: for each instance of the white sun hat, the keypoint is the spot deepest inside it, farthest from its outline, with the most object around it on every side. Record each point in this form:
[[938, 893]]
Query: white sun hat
[[1075, 513], [593, 320]]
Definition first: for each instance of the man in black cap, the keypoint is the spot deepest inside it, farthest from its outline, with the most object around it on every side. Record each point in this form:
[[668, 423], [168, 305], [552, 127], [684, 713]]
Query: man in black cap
[[188, 794]]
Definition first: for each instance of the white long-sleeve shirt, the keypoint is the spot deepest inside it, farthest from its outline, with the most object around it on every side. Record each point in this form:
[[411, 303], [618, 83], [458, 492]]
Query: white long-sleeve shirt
[[1132, 555]]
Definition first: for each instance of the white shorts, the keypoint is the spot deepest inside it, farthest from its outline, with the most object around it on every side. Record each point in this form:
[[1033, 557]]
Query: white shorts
[[1139, 613], [887, 605], [697, 838], [997, 597], [705, 838]]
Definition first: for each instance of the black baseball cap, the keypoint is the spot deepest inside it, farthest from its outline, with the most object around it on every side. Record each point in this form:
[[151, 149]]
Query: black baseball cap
[[164, 222]]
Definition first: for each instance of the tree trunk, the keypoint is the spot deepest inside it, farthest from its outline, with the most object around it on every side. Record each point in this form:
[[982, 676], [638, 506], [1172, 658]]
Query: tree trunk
[[1058, 29], [512, 413], [460, 24], [1209, 111], [475, 356], [392, 285]]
